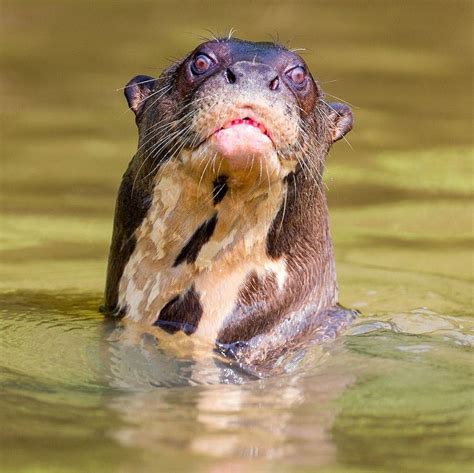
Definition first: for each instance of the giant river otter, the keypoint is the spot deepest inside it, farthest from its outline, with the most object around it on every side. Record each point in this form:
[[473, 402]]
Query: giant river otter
[[221, 225]]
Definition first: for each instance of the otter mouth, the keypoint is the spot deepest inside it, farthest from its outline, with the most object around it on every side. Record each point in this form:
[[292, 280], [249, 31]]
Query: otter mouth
[[245, 121], [241, 139]]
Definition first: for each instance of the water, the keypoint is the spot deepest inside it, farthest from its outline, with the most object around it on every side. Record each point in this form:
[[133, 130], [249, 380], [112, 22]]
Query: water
[[393, 394]]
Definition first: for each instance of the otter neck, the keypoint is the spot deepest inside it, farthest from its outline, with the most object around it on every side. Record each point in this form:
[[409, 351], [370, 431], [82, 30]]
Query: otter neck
[[204, 235], [200, 221]]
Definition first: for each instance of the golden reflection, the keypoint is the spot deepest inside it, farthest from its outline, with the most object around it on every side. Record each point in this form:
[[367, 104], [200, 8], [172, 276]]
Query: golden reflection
[[209, 409]]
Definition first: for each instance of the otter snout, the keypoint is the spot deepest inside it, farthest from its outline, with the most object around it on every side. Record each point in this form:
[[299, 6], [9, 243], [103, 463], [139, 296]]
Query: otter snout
[[247, 120], [256, 75]]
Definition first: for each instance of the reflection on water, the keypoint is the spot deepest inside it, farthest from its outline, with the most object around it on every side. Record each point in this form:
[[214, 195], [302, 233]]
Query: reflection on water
[[393, 391], [393, 394], [223, 411], [249, 421]]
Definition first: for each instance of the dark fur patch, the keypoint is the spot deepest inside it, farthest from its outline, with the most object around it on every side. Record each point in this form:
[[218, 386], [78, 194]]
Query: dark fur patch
[[280, 242], [183, 312], [261, 355], [200, 237], [132, 206], [220, 189], [255, 312]]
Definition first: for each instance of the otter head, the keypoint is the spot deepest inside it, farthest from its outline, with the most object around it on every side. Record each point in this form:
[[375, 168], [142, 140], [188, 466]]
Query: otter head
[[250, 112]]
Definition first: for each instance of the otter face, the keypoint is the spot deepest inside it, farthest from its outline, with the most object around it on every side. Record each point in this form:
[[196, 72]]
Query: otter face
[[247, 105], [249, 111]]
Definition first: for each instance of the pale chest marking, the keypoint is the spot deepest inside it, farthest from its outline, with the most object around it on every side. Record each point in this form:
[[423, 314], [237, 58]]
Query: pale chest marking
[[175, 254]]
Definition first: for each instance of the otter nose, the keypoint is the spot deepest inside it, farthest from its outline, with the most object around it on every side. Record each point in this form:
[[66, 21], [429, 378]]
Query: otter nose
[[255, 74]]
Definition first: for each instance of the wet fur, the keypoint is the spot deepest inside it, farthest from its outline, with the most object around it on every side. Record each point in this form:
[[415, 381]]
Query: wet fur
[[199, 250]]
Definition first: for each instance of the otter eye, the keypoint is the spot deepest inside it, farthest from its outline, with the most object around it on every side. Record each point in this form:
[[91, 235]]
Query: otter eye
[[297, 75], [201, 64]]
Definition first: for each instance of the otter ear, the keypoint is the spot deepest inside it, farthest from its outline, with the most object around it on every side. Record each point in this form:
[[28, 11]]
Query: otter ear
[[136, 92], [341, 120]]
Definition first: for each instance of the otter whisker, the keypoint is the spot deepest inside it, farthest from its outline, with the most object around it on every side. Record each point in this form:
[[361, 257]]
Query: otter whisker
[[136, 83], [285, 199], [153, 153], [268, 177], [162, 93], [213, 35], [249, 172], [165, 90], [338, 98], [328, 82], [155, 149], [160, 126], [174, 124], [305, 167], [301, 166], [214, 157], [164, 128], [203, 173], [294, 50], [183, 134]]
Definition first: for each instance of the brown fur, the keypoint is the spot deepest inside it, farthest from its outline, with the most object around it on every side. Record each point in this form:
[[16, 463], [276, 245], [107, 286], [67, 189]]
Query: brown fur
[[256, 260]]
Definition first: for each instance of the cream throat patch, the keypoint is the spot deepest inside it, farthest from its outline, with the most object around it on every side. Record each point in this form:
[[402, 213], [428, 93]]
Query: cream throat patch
[[229, 239]]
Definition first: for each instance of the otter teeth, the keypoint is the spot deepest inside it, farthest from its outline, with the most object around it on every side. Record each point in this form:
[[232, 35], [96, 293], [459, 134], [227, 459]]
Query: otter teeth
[[245, 121]]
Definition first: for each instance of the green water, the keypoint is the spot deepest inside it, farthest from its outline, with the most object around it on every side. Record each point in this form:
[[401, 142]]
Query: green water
[[393, 394]]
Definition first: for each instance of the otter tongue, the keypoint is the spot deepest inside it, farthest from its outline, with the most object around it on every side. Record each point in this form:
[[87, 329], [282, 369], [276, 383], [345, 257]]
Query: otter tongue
[[242, 141]]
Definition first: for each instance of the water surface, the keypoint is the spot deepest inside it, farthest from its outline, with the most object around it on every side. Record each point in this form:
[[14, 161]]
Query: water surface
[[393, 394]]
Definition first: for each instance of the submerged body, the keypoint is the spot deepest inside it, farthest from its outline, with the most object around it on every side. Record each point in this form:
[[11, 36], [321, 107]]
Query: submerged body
[[221, 228]]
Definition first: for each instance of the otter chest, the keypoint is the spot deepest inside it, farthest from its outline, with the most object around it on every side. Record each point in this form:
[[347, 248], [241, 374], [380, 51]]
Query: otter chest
[[196, 250]]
